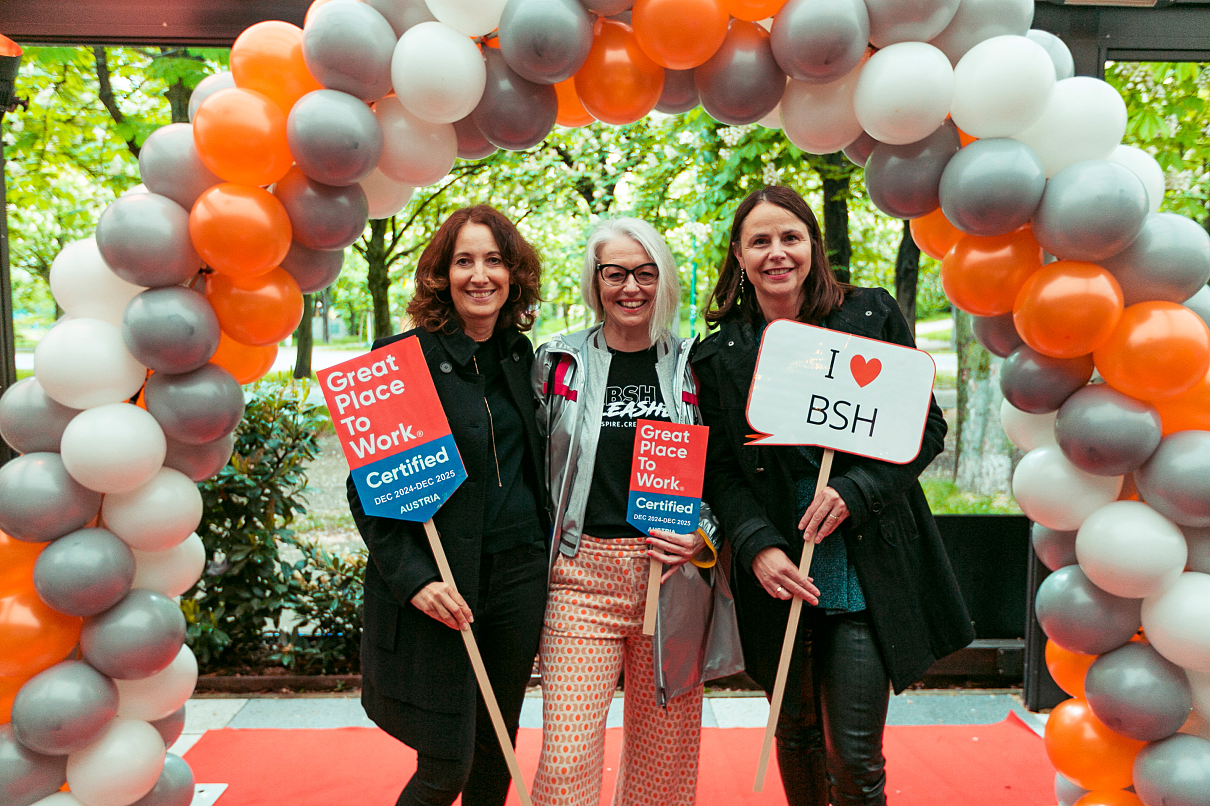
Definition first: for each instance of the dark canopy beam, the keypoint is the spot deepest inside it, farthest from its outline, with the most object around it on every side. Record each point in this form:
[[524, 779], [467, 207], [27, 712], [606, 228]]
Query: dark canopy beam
[[1097, 34]]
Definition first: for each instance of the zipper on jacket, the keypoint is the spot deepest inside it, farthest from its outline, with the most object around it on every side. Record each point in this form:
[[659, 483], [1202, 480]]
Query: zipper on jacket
[[490, 423]]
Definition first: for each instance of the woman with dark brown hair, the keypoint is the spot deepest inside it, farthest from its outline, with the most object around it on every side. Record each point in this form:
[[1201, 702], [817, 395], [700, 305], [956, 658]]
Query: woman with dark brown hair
[[477, 284], [883, 604]]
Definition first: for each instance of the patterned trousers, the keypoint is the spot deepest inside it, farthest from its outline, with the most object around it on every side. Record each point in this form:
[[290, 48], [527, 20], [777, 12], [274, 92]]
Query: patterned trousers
[[594, 630]]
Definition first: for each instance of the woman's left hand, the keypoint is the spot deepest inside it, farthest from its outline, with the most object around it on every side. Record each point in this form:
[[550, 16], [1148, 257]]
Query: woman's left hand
[[823, 516], [673, 549]]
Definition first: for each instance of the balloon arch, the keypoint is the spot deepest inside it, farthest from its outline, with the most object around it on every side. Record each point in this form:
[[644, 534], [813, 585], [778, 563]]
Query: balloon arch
[[966, 121]]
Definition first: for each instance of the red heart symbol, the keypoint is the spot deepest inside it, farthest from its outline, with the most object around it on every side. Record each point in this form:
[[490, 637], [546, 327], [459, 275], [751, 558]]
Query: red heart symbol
[[864, 372]]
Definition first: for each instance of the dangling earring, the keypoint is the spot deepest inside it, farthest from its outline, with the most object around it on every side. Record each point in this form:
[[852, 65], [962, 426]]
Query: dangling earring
[[517, 298], [449, 298]]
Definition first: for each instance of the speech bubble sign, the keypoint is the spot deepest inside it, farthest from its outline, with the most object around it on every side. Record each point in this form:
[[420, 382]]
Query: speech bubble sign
[[393, 431], [815, 386], [666, 476]]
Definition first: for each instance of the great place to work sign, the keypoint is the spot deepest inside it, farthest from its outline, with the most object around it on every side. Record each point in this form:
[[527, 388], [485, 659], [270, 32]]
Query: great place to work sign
[[666, 476], [815, 386], [396, 439]]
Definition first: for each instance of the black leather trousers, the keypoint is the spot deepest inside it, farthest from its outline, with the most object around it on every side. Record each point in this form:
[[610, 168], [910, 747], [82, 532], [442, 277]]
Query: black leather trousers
[[831, 750]]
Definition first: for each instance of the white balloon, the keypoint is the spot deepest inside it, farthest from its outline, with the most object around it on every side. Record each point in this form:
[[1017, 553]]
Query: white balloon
[[1055, 493], [385, 196], [1065, 65], [1145, 168], [438, 73], [903, 93], [1177, 621], [157, 516], [85, 287], [414, 152], [1198, 540], [120, 767], [113, 448], [172, 571], [1027, 431], [1085, 120], [1200, 683], [979, 20], [207, 87], [1001, 87], [1196, 724], [59, 799], [84, 363], [469, 17], [894, 21], [1128, 549], [820, 118], [163, 693], [773, 120]]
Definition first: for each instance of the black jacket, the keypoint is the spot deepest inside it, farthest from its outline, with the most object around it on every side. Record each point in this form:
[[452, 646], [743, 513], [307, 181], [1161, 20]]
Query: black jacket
[[407, 656], [892, 540]]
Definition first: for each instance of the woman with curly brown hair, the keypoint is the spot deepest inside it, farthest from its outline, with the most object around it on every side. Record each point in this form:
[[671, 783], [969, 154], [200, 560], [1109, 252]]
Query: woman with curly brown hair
[[477, 285]]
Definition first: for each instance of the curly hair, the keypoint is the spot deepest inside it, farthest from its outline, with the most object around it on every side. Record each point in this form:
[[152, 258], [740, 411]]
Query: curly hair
[[429, 311]]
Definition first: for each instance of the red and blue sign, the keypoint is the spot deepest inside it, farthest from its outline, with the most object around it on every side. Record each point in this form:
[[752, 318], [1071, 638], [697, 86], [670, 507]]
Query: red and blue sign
[[393, 430], [666, 476]]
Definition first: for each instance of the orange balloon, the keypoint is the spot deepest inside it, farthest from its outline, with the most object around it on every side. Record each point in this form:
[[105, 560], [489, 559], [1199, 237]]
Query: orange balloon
[[259, 310], [1068, 668], [982, 275], [965, 139], [1188, 411], [241, 136], [934, 234], [753, 10], [618, 83], [1088, 753], [1068, 308], [245, 361], [33, 637], [240, 230], [9, 686], [1109, 797], [1157, 351], [492, 42], [17, 560], [572, 113], [680, 34], [268, 58]]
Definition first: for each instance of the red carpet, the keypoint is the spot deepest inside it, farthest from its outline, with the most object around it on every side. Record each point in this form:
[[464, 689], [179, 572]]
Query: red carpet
[[969, 765]]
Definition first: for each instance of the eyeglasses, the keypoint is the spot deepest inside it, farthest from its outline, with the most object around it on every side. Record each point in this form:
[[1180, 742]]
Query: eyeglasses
[[613, 274]]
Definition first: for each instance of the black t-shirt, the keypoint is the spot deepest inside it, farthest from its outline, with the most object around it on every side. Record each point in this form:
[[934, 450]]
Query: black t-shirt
[[632, 393]]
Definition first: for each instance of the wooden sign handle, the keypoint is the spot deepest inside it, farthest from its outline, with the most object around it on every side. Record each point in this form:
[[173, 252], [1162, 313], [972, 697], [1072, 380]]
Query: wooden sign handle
[[787, 644], [654, 570], [485, 685]]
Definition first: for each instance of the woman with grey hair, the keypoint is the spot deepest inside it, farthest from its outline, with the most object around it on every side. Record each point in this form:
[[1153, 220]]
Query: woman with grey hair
[[592, 387]]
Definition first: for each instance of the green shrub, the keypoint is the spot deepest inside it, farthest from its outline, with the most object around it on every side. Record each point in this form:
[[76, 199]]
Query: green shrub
[[326, 639], [947, 498]]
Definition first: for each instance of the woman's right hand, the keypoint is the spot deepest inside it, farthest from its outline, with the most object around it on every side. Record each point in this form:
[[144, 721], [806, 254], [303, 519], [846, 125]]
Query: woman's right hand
[[442, 602], [780, 578]]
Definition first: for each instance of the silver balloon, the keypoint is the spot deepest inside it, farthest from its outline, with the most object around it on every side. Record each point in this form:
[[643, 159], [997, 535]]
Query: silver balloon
[[1090, 211], [1199, 303], [977, 20], [169, 165], [30, 420], [820, 40], [174, 787], [195, 407], [171, 727], [1065, 65], [1169, 260], [402, 14], [997, 334], [348, 47], [170, 330], [322, 216], [741, 82], [39, 500], [607, 8], [1066, 792], [1054, 548], [64, 708], [1080, 617], [514, 113], [1138, 693], [859, 150], [904, 181], [992, 187], [1176, 479], [679, 94], [1174, 772], [25, 776], [313, 269], [335, 138], [144, 239], [472, 145], [894, 21], [208, 86], [1106, 433], [136, 638], [545, 41], [1198, 541], [85, 572], [1039, 384], [200, 462]]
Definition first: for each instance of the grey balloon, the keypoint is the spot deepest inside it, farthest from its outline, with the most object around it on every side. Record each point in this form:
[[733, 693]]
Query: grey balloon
[[1176, 479], [171, 727], [997, 334], [208, 86], [144, 239], [170, 166], [1174, 772], [334, 137], [171, 329], [1169, 260], [1090, 211], [819, 40], [85, 572], [348, 47], [195, 407], [64, 708], [1065, 65], [136, 638], [200, 462], [313, 269], [1198, 541], [679, 94], [402, 14], [904, 180], [39, 500], [472, 145], [1080, 617], [1039, 384], [1199, 303], [859, 150], [741, 82], [977, 20], [514, 113], [1066, 792], [174, 786], [1054, 548], [894, 21], [992, 187], [1138, 693], [30, 420], [607, 8], [545, 41], [322, 216], [1106, 433], [25, 776]]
